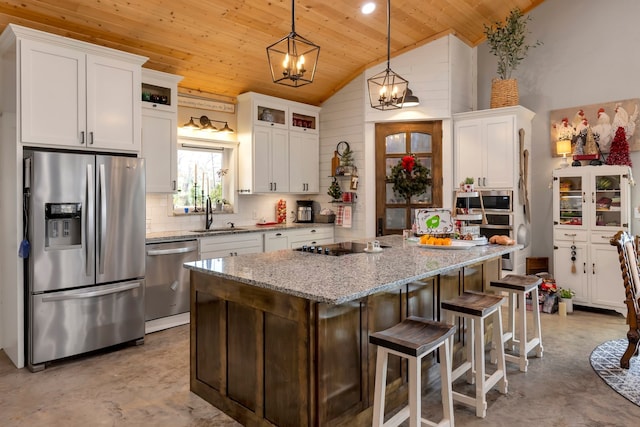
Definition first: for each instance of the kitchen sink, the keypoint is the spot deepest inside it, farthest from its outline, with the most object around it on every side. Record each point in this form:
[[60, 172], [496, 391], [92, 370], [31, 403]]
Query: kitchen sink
[[218, 229]]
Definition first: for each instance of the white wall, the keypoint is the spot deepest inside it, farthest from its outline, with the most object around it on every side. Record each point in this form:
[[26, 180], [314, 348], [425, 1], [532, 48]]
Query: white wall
[[341, 119], [589, 56]]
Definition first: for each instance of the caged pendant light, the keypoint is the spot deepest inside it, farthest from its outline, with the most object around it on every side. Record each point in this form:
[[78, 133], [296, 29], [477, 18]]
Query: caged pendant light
[[293, 59], [387, 89]]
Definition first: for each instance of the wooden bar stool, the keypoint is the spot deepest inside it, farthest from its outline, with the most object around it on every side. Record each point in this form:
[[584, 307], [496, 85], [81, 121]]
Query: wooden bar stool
[[412, 339], [474, 308], [518, 287]]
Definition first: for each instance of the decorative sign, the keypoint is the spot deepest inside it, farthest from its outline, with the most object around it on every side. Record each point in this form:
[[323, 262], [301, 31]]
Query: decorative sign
[[206, 104], [600, 120], [433, 221]]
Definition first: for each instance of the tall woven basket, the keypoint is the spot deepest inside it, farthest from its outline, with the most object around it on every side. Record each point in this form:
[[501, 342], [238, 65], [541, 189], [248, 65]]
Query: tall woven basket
[[504, 93]]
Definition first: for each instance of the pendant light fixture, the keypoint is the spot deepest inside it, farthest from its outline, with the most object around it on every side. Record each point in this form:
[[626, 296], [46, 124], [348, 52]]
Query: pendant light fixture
[[293, 59], [387, 89], [410, 100]]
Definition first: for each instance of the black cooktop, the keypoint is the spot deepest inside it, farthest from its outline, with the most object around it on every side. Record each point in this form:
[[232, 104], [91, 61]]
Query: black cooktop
[[336, 249]]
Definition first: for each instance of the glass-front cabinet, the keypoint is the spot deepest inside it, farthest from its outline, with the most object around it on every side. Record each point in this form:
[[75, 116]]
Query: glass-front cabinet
[[591, 197], [590, 205]]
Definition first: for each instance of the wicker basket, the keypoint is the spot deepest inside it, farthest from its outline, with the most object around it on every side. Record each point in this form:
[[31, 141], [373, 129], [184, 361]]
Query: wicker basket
[[504, 93]]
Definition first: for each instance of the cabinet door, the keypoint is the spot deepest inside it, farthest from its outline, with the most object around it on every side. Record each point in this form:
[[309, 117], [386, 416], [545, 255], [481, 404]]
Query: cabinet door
[[304, 175], [570, 200], [271, 160], [275, 241], [52, 94], [261, 160], [280, 160], [607, 287], [609, 200], [113, 104], [270, 114], [303, 120], [159, 134], [499, 154], [562, 266], [469, 151]]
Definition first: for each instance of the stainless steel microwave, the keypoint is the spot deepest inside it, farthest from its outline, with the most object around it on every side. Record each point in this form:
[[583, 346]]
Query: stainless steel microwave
[[493, 200]]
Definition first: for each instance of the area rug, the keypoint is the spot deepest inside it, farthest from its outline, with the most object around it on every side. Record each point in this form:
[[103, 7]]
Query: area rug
[[605, 360]]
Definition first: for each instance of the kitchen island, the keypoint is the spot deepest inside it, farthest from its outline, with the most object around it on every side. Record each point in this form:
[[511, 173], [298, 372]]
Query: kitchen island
[[281, 338]]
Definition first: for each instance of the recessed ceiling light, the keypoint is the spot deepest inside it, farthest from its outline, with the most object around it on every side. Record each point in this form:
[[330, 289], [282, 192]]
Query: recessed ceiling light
[[368, 8]]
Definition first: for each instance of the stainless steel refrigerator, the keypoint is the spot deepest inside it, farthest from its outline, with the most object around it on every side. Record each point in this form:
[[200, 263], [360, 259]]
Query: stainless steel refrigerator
[[85, 217]]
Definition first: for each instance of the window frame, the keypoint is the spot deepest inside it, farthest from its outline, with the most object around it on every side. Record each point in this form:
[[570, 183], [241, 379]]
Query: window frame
[[229, 151]]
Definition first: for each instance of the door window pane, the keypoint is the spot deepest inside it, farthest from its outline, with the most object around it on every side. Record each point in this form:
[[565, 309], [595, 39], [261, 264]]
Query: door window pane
[[396, 218], [420, 142], [395, 144], [391, 196]]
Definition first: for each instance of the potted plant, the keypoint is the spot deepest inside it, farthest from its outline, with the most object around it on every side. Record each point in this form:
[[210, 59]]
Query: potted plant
[[566, 295], [334, 190], [507, 42], [346, 162], [467, 185]]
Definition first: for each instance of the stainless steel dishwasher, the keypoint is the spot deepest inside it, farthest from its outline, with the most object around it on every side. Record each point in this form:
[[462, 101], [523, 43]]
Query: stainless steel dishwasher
[[167, 284]]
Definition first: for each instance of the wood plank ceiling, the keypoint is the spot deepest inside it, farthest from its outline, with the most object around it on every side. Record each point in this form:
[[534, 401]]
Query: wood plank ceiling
[[220, 46]]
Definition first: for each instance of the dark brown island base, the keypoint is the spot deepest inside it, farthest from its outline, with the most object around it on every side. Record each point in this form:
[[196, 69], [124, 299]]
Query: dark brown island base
[[282, 338]]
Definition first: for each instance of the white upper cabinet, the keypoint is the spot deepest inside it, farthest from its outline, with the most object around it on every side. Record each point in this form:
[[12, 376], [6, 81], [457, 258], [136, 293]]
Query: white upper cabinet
[[304, 162], [487, 146], [160, 130], [77, 95], [279, 145]]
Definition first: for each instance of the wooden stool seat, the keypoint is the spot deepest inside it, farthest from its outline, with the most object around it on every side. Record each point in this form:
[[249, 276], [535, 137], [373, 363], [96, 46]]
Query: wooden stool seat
[[518, 286], [413, 339], [474, 308]]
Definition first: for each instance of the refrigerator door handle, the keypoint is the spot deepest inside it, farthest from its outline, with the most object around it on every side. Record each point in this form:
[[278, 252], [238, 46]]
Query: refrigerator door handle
[[91, 294], [103, 218], [89, 223]]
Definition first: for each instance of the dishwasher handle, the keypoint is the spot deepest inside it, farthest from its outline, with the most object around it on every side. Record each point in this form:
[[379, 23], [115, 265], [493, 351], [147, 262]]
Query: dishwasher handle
[[157, 252]]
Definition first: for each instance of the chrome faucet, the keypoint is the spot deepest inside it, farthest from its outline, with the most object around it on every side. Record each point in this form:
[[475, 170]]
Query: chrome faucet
[[208, 214]]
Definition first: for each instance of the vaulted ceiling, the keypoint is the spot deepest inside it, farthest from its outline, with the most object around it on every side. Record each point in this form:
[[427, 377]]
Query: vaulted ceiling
[[220, 46]]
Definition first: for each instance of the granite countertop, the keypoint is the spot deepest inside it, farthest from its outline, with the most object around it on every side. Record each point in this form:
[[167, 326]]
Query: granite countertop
[[179, 235], [336, 280]]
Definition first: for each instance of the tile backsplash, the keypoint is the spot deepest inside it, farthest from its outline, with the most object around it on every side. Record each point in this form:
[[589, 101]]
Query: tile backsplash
[[249, 210]]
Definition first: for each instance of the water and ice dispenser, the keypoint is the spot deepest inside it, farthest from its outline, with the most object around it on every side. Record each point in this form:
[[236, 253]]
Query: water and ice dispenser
[[63, 225]]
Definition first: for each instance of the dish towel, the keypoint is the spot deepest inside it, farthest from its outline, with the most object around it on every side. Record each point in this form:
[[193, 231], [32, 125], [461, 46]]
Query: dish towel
[[346, 217], [339, 215]]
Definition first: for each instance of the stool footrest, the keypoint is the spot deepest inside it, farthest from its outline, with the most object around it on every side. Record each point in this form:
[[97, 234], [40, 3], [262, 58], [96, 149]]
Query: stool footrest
[[460, 370]]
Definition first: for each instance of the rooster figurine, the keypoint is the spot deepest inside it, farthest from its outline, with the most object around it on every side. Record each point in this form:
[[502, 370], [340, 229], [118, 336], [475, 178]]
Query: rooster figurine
[[603, 131]]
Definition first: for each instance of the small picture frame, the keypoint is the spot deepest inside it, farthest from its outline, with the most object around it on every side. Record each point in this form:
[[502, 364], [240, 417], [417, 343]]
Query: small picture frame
[[354, 182]]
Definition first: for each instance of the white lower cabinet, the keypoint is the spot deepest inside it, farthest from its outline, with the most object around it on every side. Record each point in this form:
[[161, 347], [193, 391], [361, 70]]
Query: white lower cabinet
[[296, 238], [249, 243], [230, 245], [276, 240], [310, 236]]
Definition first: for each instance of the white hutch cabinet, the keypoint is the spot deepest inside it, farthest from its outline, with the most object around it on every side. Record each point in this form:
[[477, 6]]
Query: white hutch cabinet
[[279, 145], [77, 95], [160, 129], [590, 205]]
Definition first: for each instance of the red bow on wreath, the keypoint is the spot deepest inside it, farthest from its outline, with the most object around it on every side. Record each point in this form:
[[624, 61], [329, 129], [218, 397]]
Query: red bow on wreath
[[408, 162]]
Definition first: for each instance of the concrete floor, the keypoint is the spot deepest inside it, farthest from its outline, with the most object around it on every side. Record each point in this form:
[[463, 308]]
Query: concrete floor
[[149, 385]]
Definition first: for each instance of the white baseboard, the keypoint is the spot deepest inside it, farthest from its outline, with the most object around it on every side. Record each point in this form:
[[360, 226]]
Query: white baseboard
[[156, 325]]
